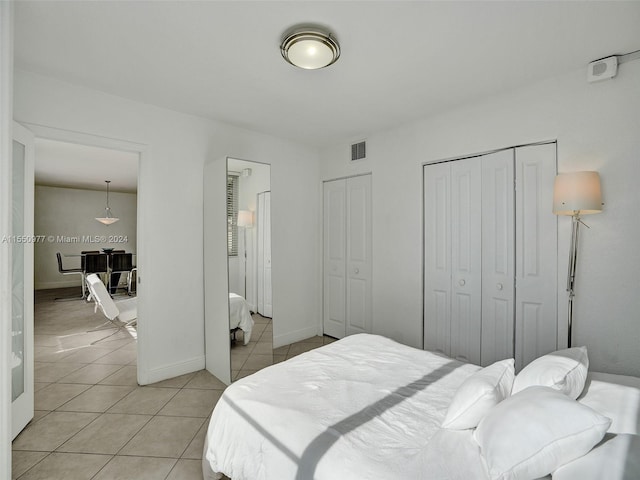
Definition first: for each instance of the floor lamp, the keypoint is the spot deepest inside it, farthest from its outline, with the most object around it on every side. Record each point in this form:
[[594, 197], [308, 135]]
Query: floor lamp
[[576, 194], [245, 220]]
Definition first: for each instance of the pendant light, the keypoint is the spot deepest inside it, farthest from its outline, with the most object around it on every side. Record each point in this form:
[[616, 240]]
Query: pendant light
[[108, 218]]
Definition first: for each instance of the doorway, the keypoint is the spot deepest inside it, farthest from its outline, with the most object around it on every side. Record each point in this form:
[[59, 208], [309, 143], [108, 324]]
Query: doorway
[[53, 230]]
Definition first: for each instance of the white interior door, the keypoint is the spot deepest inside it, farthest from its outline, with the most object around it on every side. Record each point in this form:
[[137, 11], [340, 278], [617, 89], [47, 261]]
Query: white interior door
[[359, 257], [22, 279], [437, 257], [265, 303], [536, 317], [498, 256], [334, 258], [466, 259]]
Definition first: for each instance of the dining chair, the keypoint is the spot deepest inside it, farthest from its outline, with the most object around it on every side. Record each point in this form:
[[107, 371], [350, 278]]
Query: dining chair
[[120, 262], [94, 262], [131, 281], [85, 253], [120, 315], [70, 271]]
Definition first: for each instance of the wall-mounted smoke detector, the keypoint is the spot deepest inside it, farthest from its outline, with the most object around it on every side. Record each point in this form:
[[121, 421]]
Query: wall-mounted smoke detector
[[359, 151]]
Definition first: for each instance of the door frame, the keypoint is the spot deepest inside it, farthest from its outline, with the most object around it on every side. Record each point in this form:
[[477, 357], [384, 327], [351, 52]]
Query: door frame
[[82, 138], [6, 141]]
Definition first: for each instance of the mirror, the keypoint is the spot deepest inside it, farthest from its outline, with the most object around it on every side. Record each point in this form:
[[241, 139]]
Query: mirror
[[249, 263]]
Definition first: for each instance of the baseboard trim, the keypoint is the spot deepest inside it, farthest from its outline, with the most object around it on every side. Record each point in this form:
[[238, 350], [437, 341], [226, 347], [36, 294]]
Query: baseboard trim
[[170, 371], [295, 336]]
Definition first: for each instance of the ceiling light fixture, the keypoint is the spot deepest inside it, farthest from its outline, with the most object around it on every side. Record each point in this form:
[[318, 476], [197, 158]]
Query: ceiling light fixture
[[108, 218], [310, 48]]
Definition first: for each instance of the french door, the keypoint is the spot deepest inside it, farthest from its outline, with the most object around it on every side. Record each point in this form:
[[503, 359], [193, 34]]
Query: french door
[[21, 242]]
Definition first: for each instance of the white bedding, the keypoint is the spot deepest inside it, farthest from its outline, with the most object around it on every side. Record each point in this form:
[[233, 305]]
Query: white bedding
[[367, 407], [240, 315], [362, 408], [616, 397]]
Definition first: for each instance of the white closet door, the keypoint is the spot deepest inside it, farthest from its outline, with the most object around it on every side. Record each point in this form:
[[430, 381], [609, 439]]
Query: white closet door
[[265, 303], [536, 259], [453, 266], [335, 259], [358, 242], [498, 256], [437, 257], [466, 259]]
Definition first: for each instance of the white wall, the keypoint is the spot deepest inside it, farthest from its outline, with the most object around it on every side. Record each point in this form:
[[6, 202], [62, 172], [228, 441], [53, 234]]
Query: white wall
[[597, 128], [64, 214], [170, 203]]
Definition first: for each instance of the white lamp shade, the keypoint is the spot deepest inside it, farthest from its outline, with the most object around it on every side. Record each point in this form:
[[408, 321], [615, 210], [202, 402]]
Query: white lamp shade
[[107, 220], [245, 218], [577, 192]]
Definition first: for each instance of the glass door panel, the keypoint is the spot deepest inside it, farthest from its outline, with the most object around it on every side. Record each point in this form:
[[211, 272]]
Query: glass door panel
[[21, 243], [17, 273]]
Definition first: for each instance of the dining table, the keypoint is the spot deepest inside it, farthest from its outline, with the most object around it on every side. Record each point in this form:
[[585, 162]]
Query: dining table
[[112, 278]]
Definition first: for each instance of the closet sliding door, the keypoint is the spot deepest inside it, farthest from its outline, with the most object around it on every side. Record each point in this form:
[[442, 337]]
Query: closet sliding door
[[490, 256], [536, 313], [347, 256], [335, 259], [453, 259], [498, 256]]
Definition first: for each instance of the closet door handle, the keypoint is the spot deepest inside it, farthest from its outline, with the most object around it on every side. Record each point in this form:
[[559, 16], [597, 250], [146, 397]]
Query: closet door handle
[[461, 282], [356, 270], [499, 286]]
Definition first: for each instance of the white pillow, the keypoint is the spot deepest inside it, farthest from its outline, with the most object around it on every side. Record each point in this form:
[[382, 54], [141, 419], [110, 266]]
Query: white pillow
[[564, 370], [478, 394], [615, 457], [532, 433]]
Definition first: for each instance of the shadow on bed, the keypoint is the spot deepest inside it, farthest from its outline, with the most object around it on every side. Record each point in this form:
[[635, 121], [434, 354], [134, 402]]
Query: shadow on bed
[[320, 445]]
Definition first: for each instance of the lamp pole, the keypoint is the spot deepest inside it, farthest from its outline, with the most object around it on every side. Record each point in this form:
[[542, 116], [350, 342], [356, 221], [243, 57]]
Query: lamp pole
[[575, 194]]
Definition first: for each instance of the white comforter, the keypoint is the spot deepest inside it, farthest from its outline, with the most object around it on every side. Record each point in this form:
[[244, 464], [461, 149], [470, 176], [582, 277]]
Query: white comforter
[[240, 315], [362, 408]]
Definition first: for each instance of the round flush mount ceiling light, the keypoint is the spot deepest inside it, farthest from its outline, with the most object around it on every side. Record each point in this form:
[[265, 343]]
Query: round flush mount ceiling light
[[310, 48]]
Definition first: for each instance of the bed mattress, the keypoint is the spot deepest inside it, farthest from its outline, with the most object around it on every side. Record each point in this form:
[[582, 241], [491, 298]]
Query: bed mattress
[[364, 407], [367, 407]]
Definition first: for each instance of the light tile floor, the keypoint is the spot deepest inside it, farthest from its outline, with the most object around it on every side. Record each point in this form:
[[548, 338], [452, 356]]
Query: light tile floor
[[259, 352], [93, 421]]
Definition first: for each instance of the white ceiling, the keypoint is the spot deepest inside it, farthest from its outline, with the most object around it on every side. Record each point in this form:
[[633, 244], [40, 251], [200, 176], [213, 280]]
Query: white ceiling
[[62, 164], [400, 60]]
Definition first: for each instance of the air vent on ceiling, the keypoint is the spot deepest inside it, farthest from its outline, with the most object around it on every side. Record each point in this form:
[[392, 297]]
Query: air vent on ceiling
[[358, 151]]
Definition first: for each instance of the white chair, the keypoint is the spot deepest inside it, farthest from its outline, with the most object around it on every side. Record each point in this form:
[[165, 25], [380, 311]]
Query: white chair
[[119, 315]]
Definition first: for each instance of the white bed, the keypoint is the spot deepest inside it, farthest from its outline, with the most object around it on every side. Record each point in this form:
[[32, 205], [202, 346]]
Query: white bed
[[240, 315], [364, 407]]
